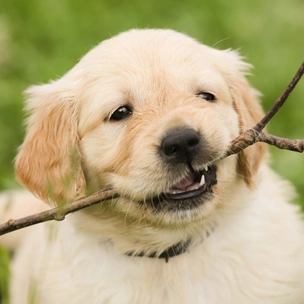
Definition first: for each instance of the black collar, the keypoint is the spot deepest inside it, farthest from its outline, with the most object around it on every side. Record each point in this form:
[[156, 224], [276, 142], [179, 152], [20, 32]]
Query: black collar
[[170, 252]]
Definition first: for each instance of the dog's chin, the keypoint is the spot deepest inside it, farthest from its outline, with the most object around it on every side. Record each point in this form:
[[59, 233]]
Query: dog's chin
[[188, 194]]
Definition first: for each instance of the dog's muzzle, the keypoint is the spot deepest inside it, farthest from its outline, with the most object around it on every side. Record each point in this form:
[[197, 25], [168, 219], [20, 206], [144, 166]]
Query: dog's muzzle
[[180, 148]]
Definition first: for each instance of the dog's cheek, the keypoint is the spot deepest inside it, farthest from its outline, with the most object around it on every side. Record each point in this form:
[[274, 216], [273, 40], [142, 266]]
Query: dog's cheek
[[141, 177], [218, 128], [98, 150], [140, 172], [226, 120]]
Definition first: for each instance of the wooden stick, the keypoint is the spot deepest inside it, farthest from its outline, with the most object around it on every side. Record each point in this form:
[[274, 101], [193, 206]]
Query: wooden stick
[[58, 213], [280, 101]]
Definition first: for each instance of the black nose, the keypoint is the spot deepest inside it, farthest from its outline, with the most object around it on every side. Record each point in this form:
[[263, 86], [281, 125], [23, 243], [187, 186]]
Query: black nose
[[180, 145]]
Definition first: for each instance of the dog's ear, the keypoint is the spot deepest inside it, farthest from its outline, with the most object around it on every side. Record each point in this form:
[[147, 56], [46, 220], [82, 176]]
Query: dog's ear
[[247, 106], [48, 163], [250, 113]]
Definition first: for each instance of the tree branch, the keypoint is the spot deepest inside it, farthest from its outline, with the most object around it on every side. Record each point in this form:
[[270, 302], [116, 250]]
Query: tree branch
[[58, 213], [243, 141], [254, 134], [280, 101], [251, 136]]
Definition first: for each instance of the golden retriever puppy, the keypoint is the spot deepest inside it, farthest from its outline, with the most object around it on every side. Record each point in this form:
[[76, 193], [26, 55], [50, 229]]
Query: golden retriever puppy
[[151, 112]]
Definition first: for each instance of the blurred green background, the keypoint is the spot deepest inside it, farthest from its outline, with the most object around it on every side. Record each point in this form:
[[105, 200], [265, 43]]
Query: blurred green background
[[42, 39]]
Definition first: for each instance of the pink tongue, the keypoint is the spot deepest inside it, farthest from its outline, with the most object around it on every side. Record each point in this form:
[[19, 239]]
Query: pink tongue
[[185, 183]]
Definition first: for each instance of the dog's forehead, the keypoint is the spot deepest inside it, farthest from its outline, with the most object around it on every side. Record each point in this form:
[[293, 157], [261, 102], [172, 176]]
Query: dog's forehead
[[144, 60], [151, 44], [144, 51]]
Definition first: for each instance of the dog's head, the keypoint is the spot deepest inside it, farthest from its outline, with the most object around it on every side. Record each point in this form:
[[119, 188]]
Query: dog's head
[[149, 112]]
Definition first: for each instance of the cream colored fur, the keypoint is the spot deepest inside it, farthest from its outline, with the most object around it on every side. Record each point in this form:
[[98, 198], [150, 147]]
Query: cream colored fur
[[247, 241]]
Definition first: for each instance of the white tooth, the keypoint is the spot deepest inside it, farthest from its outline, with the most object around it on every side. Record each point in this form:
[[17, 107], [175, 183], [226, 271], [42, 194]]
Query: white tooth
[[202, 182], [206, 168]]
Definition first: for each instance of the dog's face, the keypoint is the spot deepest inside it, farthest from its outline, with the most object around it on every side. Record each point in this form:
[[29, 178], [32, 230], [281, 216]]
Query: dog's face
[[149, 112]]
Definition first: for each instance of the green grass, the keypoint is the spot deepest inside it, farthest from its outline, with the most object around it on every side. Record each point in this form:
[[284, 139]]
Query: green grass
[[4, 276]]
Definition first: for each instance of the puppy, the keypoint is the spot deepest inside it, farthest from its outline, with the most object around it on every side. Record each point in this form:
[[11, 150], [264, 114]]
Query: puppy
[[151, 112]]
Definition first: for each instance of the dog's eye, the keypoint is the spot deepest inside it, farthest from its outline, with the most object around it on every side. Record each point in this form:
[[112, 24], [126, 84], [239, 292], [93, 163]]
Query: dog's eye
[[121, 113], [206, 96]]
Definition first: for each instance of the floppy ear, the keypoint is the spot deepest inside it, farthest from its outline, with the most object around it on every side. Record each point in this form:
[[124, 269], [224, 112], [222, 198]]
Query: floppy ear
[[246, 104], [48, 163], [250, 113]]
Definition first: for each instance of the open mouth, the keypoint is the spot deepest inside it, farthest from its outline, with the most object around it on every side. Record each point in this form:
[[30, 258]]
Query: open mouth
[[188, 193], [194, 184]]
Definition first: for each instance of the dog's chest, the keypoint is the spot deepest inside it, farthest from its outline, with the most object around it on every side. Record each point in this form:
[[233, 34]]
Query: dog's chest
[[200, 276], [231, 266]]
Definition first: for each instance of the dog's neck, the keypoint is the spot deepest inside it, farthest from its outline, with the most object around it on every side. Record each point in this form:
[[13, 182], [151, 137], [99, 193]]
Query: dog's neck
[[142, 240], [170, 252]]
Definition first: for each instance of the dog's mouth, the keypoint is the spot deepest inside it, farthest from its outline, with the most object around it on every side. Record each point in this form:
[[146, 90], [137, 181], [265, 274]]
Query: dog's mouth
[[194, 184], [189, 192]]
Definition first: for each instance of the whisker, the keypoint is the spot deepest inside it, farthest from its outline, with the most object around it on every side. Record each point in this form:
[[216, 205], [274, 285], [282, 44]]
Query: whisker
[[220, 41]]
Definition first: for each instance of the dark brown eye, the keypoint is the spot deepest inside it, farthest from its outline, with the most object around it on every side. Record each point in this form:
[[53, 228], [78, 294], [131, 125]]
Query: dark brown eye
[[121, 113], [206, 96]]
